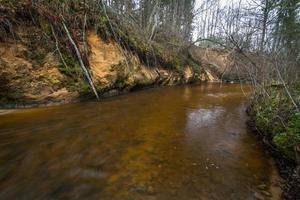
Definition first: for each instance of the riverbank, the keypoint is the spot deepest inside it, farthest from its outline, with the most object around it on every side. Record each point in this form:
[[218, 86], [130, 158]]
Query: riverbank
[[9, 107], [27, 81], [276, 122], [287, 168]]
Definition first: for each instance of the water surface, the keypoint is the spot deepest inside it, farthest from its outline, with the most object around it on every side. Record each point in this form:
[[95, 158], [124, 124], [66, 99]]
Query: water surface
[[187, 142]]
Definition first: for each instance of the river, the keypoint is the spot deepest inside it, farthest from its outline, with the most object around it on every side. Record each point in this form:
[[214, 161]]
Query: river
[[183, 142]]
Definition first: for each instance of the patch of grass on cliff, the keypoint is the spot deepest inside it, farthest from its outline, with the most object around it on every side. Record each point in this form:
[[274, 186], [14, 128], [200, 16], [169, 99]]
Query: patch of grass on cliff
[[167, 52], [72, 67]]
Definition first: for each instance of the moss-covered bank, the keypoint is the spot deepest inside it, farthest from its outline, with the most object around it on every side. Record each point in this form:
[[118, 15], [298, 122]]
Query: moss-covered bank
[[276, 119]]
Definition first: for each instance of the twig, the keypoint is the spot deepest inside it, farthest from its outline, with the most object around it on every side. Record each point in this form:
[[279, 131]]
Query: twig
[[57, 48], [84, 35], [285, 87]]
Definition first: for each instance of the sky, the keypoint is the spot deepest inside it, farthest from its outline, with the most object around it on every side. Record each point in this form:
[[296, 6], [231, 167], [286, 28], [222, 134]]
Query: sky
[[222, 2]]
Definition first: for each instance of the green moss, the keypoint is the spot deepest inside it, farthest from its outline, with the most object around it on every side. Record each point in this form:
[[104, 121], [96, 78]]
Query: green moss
[[35, 55], [292, 135], [281, 139], [277, 127], [83, 86], [277, 118], [79, 85], [72, 68], [289, 139], [120, 83], [45, 26], [12, 95], [121, 80]]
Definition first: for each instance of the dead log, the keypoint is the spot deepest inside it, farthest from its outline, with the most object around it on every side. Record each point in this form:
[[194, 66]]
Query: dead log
[[84, 69]]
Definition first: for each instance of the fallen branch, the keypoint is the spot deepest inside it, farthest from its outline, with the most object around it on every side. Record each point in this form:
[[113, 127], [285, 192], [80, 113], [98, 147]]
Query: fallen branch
[[84, 69]]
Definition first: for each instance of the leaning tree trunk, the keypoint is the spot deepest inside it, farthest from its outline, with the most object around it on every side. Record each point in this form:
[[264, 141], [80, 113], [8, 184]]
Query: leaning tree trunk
[[84, 69]]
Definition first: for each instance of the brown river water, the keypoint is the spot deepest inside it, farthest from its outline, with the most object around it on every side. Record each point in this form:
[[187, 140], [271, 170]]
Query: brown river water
[[181, 143]]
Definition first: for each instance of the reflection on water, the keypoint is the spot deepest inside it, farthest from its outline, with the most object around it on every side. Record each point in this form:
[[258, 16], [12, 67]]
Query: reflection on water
[[204, 117], [188, 142]]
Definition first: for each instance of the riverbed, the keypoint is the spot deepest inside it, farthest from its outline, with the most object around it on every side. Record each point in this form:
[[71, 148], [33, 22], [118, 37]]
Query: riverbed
[[183, 142]]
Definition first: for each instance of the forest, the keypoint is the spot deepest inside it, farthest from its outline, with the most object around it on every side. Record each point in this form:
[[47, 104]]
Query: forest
[[260, 38]]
